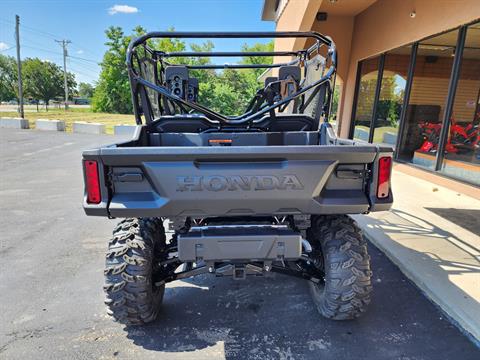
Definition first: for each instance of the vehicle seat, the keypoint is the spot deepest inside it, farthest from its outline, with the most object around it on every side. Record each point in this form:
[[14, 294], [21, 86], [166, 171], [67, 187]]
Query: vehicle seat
[[182, 124], [286, 122]]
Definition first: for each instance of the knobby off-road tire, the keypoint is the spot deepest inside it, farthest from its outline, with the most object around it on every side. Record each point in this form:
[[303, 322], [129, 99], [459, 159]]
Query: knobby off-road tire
[[346, 263], [131, 296]]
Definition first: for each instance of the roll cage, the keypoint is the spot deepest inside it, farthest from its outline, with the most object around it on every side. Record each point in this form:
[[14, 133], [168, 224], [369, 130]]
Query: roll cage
[[144, 62]]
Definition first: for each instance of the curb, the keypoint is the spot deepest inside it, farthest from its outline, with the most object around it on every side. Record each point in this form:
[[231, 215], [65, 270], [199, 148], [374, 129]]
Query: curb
[[124, 129], [14, 123], [50, 125], [389, 138], [88, 128]]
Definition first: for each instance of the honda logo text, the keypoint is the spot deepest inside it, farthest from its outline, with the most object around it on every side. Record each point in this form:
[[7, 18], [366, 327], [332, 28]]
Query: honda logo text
[[237, 182]]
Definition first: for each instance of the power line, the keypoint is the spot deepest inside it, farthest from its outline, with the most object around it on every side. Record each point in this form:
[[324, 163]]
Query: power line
[[86, 68], [75, 45], [59, 53], [82, 73], [34, 31], [44, 33], [10, 48], [7, 21], [49, 35], [33, 42], [90, 72], [44, 50], [79, 61], [83, 59], [83, 48]]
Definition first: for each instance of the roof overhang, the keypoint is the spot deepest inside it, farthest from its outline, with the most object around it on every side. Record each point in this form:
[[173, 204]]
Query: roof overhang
[[269, 10], [345, 7]]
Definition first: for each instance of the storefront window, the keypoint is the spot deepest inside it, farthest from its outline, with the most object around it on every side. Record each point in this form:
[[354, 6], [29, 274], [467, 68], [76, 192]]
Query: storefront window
[[424, 113], [420, 122], [365, 99], [390, 103], [462, 150]]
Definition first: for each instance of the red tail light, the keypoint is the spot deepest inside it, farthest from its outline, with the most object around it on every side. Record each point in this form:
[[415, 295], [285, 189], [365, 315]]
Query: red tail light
[[92, 182], [384, 171]]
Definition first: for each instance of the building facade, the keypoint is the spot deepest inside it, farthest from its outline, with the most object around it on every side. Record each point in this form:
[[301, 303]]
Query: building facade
[[408, 74]]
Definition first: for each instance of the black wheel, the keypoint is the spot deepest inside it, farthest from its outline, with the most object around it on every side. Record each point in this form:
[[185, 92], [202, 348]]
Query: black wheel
[[340, 251], [136, 246]]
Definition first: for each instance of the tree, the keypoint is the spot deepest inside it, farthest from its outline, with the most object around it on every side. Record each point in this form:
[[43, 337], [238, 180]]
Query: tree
[[335, 101], [112, 93], [44, 80], [258, 47], [227, 91], [230, 91], [8, 78], [85, 90]]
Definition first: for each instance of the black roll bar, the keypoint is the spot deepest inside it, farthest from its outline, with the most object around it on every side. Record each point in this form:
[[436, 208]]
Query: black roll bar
[[226, 53], [137, 81], [238, 66]]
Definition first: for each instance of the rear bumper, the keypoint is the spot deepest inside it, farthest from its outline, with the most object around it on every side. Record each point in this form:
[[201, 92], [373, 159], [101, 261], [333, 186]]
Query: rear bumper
[[235, 181]]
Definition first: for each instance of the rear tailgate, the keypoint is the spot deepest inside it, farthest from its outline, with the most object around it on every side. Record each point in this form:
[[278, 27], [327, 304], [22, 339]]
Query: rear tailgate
[[236, 180]]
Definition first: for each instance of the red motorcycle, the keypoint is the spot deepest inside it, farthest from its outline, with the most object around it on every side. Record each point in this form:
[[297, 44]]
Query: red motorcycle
[[461, 138], [466, 138], [431, 135]]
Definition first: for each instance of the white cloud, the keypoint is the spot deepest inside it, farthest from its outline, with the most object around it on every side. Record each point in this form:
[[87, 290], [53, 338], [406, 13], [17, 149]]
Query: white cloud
[[80, 52], [122, 9], [3, 46]]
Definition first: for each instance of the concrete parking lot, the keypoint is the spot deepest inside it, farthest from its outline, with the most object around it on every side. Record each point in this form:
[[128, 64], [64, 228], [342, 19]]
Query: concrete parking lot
[[51, 275]]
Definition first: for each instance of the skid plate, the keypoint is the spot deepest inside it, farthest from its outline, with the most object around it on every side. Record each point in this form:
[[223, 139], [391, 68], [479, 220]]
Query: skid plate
[[226, 243]]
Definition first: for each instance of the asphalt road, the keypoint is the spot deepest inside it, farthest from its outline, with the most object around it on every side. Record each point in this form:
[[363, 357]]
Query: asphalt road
[[51, 275]]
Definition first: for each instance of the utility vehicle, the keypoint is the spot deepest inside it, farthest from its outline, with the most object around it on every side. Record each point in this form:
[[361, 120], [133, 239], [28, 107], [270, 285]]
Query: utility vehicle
[[269, 190]]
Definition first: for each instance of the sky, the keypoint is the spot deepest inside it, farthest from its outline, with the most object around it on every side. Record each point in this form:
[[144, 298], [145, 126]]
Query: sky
[[84, 22]]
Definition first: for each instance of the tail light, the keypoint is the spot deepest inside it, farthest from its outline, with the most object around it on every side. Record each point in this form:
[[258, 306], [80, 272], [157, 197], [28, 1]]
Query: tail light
[[92, 182], [384, 171]]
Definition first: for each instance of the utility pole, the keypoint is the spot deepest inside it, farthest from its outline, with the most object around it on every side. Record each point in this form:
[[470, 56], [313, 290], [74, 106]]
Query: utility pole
[[19, 67], [64, 44]]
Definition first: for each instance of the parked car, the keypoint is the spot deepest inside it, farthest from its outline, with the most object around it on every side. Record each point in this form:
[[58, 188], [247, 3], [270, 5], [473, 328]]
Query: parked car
[[81, 101]]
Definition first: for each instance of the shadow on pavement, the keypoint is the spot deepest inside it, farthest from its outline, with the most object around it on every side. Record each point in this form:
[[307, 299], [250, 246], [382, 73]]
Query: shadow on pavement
[[409, 224], [469, 219], [274, 318]]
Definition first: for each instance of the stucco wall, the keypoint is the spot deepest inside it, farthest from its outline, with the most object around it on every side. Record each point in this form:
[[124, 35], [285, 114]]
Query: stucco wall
[[298, 15], [387, 24]]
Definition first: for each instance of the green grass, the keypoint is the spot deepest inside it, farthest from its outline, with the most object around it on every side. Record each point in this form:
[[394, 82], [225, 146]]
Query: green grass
[[378, 134], [72, 115]]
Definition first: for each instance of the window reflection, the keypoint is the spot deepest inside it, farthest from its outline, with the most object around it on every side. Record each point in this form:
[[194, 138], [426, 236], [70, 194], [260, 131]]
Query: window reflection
[[424, 113], [365, 100], [462, 154], [392, 92]]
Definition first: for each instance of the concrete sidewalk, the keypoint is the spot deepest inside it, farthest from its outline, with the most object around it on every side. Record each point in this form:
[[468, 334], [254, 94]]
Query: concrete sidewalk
[[432, 233]]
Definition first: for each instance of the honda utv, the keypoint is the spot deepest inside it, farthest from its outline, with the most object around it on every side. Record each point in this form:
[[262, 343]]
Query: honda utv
[[269, 190]]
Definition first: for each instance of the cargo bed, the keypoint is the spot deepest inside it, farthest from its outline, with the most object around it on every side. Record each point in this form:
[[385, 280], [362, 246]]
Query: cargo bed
[[337, 177]]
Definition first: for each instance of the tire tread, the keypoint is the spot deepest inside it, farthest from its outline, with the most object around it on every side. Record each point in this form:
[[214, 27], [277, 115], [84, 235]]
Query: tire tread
[[347, 289], [130, 297]]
